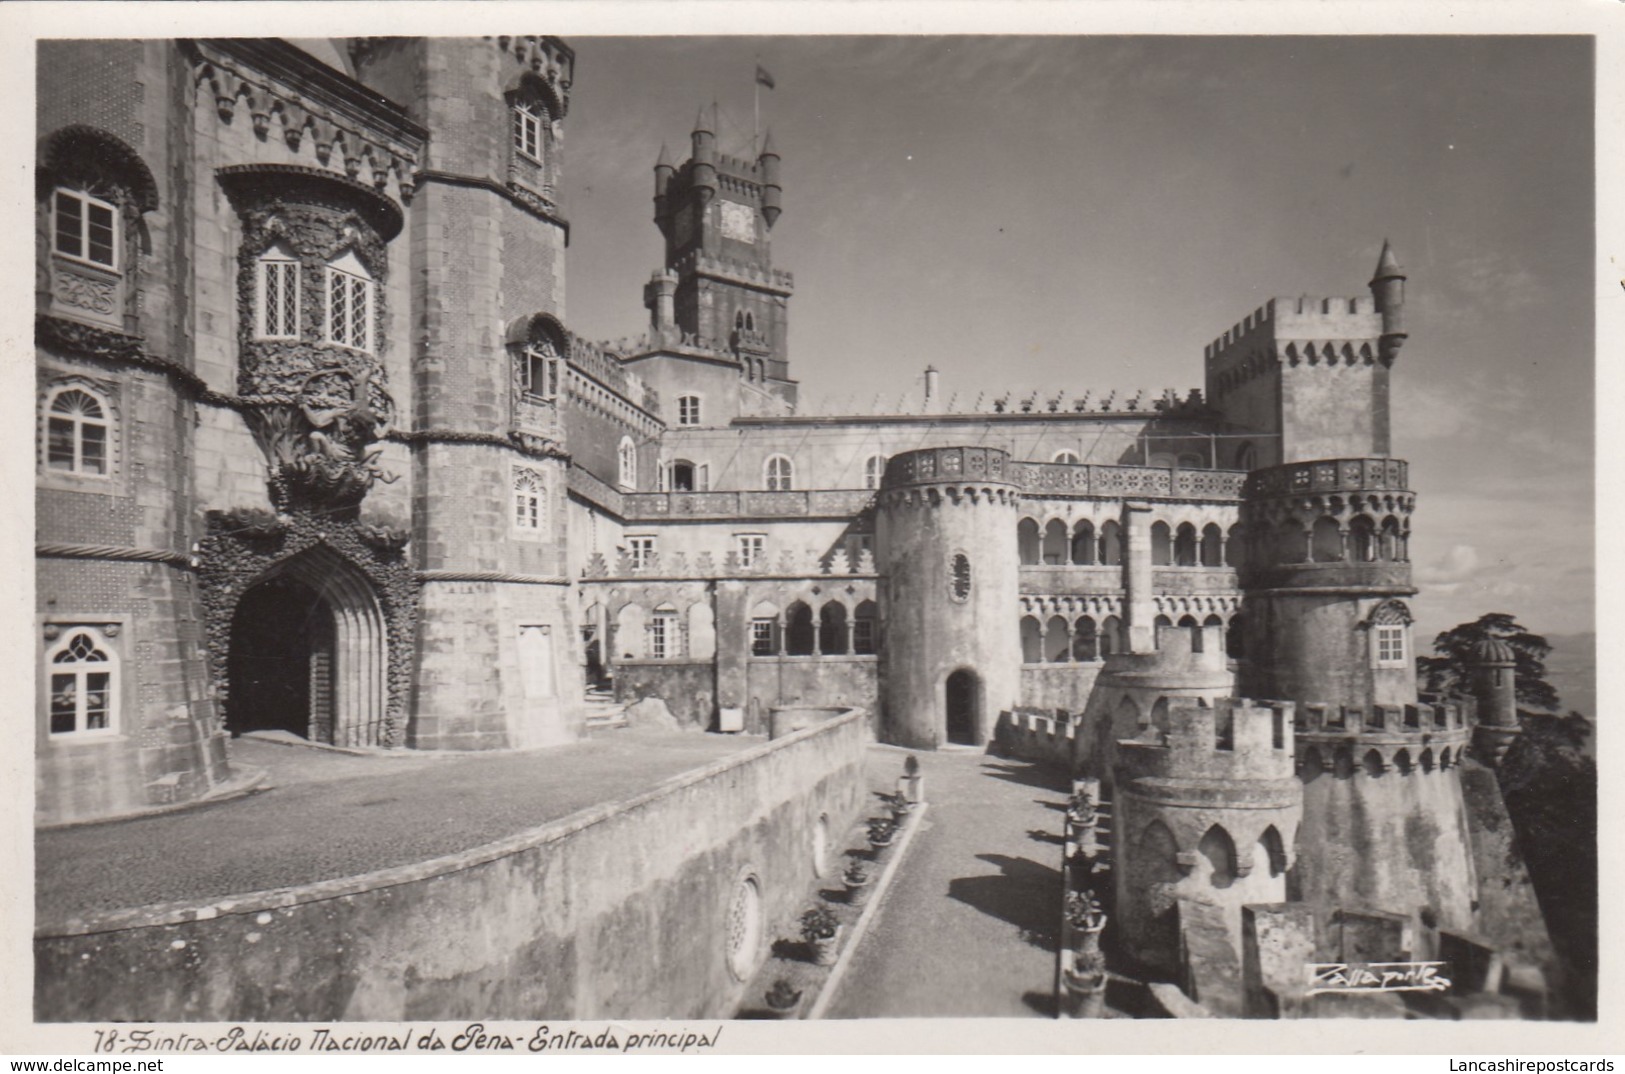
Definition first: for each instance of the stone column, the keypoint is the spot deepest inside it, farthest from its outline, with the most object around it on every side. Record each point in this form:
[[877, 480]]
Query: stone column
[[1139, 611]]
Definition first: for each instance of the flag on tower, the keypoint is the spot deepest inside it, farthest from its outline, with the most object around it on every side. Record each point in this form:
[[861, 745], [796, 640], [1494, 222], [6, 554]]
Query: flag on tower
[[763, 78]]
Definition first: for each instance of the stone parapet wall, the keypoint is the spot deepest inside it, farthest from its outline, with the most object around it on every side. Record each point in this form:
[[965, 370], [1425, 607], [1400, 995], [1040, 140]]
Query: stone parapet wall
[[599, 915]]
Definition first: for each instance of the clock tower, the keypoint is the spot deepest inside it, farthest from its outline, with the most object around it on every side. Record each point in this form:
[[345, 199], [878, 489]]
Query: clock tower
[[717, 213]]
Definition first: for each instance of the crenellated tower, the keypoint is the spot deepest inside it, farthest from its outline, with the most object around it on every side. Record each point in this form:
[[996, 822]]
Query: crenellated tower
[[1326, 578], [719, 288], [1308, 375], [945, 543], [1206, 811]]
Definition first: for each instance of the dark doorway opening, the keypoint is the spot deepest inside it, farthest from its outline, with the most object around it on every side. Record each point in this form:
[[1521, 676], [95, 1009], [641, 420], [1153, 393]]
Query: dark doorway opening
[[281, 663], [964, 692]]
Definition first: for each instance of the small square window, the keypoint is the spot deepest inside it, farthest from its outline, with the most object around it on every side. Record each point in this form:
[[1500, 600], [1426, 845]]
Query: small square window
[[752, 548], [642, 552], [688, 410], [1390, 643]]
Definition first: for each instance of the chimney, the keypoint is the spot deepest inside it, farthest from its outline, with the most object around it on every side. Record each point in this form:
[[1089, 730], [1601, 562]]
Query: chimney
[[930, 389]]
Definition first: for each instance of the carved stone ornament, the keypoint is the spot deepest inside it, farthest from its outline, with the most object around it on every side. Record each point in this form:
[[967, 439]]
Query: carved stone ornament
[[231, 560]]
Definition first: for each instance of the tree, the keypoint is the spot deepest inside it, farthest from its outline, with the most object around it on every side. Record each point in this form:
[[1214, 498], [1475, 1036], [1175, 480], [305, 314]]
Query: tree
[[1449, 672]]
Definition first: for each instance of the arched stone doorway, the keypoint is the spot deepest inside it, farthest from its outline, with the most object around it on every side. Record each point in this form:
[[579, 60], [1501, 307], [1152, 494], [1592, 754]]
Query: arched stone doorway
[[308, 654], [964, 703]]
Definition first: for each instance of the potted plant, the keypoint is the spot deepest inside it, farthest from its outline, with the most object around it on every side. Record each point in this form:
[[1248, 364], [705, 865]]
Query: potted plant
[[783, 1001], [881, 831], [857, 883], [912, 784], [821, 930], [1085, 976], [898, 804]]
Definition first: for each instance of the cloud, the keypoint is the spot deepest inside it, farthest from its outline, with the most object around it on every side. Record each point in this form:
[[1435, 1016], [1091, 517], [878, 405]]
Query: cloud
[[1457, 565]]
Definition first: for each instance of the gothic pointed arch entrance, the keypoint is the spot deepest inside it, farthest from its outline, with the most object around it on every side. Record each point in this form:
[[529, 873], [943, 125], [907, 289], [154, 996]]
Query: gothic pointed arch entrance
[[308, 653], [963, 695]]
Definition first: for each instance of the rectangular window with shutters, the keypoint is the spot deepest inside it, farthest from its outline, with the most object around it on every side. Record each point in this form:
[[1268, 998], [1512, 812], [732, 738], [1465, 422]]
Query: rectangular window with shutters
[[349, 309], [84, 228]]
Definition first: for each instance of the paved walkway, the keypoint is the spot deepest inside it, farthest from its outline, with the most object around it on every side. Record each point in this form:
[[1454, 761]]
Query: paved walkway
[[968, 928], [330, 814]]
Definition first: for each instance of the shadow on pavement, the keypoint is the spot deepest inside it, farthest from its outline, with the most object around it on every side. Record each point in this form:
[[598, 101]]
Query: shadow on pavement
[[1040, 1002], [1047, 777], [1025, 894]]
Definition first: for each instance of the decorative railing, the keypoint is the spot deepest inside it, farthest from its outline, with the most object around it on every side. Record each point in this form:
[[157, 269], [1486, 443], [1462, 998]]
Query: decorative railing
[[1330, 475], [801, 503], [1039, 478]]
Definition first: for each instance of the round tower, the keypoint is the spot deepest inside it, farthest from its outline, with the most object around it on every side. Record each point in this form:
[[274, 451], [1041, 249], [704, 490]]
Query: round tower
[[1206, 813], [703, 170], [1495, 688], [1327, 627], [945, 542]]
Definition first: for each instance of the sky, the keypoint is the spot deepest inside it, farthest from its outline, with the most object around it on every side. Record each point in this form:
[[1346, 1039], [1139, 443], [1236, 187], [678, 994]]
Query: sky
[[1088, 212]]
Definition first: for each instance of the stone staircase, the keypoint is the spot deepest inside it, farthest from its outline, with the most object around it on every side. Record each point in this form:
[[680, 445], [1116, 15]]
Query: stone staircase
[[604, 713]]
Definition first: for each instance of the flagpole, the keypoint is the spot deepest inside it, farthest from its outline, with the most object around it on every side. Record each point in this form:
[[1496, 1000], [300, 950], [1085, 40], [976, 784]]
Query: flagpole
[[756, 112]]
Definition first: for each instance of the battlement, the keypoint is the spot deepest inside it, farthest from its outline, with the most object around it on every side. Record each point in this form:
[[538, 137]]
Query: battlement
[[736, 271], [602, 362], [1420, 721], [1300, 318], [1229, 739], [1017, 403]]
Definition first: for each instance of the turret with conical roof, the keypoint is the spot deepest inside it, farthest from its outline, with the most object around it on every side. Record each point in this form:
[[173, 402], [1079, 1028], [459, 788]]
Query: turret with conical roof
[[703, 168], [1495, 686], [1388, 291], [772, 193]]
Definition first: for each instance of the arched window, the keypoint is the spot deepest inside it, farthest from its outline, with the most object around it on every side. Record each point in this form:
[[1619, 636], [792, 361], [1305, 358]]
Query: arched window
[[83, 670], [1188, 624], [529, 500], [1373, 764], [1084, 644], [764, 630], [77, 433], [1235, 639], [1111, 636], [1271, 852], [1069, 458], [1212, 546], [739, 320], [1083, 543], [1032, 642], [1057, 548], [832, 628], [1185, 552], [1392, 546], [1390, 628], [627, 458], [1161, 545], [874, 467], [276, 294], [1219, 852], [750, 321], [1057, 640], [865, 633], [1111, 544], [959, 577], [779, 474], [1028, 544], [1326, 541], [798, 630], [350, 291], [1247, 457], [1363, 538], [688, 410]]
